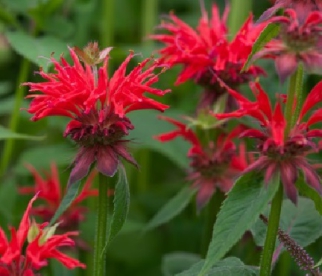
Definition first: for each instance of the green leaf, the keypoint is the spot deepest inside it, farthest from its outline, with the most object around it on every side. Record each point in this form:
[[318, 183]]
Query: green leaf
[[307, 191], [121, 205], [302, 223], [8, 134], [228, 267], [37, 50], [68, 199], [177, 262], [267, 34], [42, 156], [245, 202], [319, 263], [172, 208]]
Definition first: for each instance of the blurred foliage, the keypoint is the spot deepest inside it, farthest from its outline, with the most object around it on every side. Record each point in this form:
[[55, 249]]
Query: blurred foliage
[[38, 29]]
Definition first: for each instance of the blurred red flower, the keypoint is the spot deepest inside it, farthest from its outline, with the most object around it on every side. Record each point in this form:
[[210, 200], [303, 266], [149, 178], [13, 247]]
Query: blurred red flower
[[50, 191], [207, 49], [97, 106], [43, 244], [214, 165], [281, 152], [301, 7], [297, 42]]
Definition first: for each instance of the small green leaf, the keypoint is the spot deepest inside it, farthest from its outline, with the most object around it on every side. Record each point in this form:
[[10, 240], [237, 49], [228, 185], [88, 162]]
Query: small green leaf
[[318, 264], [267, 34], [121, 205], [177, 262], [245, 202], [172, 208], [308, 191], [8, 134], [68, 199], [228, 267], [37, 50]]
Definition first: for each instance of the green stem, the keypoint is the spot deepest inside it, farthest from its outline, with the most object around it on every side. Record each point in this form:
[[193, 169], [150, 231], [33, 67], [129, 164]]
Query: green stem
[[211, 212], [107, 23], [239, 11], [103, 206], [294, 93], [14, 120], [273, 223], [149, 11], [298, 92]]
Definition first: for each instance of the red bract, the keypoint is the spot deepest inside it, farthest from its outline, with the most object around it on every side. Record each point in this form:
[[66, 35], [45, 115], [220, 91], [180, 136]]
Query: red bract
[[301, 7], [286, 154], [97, 105], [50, 191], [207, 48], [43, 245], [297, 42], [215, 165]]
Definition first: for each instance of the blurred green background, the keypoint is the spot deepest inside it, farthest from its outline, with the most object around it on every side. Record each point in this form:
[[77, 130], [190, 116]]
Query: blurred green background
[[29, 32]]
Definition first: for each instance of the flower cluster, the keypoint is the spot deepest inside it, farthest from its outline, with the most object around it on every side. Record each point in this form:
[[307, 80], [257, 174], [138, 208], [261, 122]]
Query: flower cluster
[[97, 106], [43, 244], [206, 49], [49, 190], [216, 164]]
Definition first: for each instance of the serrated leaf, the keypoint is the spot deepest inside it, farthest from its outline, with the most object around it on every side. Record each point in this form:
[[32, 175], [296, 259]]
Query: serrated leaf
[[172, 208], [67, 200], [37, 50], [307, 191], [228, 267], [245, 202], [8, 134], [302, 223], [267, 34], [177, 262], [121, 205]]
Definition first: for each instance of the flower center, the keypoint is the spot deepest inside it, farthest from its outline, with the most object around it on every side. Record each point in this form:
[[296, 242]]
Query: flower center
[[99, 128], [300, 40]]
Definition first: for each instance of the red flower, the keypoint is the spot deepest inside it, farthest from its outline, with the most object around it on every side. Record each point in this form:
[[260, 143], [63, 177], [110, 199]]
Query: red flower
[[50, 190], [215, 165], [43, 245], [301, 7], [206, 49], [278, 152], [297, 42], [97, 105]]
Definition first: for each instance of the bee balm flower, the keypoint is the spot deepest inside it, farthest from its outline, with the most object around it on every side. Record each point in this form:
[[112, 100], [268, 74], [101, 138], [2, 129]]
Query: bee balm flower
[[97, 106]]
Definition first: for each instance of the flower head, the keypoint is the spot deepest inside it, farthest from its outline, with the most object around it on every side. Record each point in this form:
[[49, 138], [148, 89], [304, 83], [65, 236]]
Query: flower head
[[297, 42], [206, 49], [16, 259], [97, 105], [214, 165], [301, 7], [281, 152], [50, 191]]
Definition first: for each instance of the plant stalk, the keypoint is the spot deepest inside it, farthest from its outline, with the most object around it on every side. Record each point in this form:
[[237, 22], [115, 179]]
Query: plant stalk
[[14, 119], [239, 11], [103, 207], [273, 223]]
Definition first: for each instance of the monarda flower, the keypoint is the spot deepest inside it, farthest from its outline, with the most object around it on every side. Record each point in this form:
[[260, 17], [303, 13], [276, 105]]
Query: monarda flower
[[297, 42], [206, 49], [278, 152], [50, 191], [301, 7], [214, 165], [20, 260], [97, 105]]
